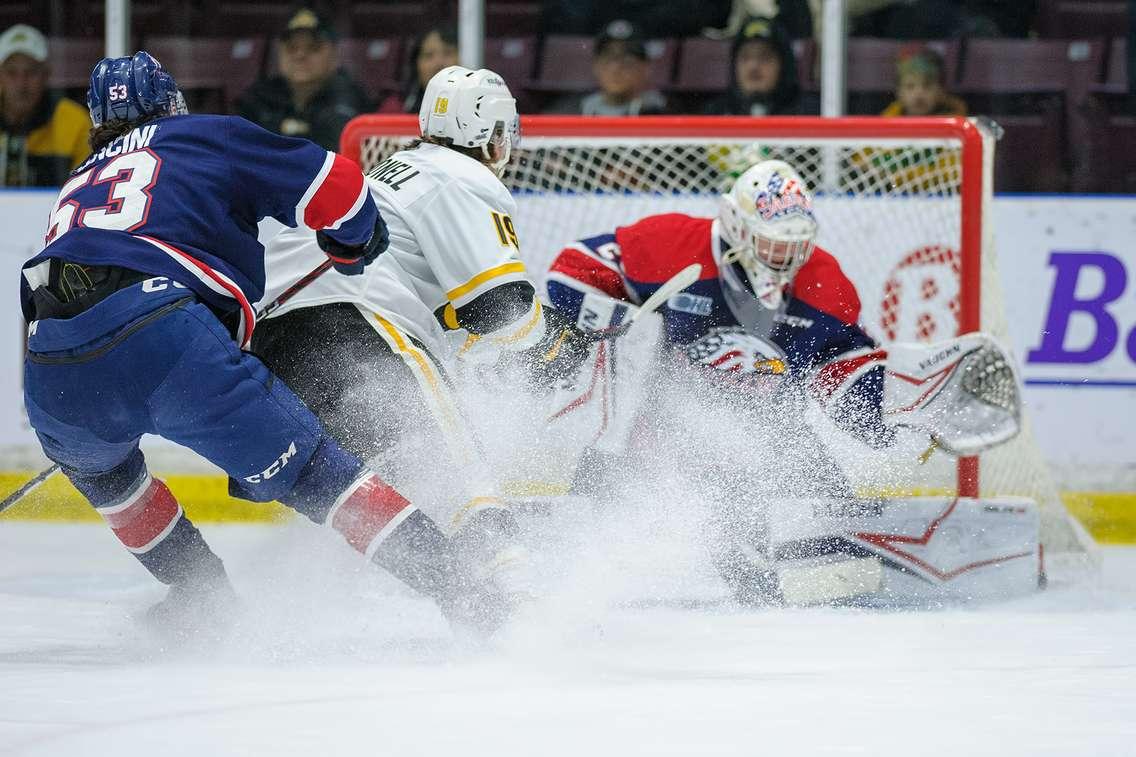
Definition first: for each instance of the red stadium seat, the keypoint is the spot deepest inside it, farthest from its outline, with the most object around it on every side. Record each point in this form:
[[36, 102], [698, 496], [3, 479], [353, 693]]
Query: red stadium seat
[[227, 65], [512, 19], [244, 18], [377, 19], [1014, 66], [512, 57], [375, 63], [1083, 18], [703, 66], [72, 60]]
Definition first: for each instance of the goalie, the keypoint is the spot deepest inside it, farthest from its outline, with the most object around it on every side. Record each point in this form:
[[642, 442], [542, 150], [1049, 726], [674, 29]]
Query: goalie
[[772, 308]]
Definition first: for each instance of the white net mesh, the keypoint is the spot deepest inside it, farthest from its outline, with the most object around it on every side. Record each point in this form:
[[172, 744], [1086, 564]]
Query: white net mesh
[[889, 209]]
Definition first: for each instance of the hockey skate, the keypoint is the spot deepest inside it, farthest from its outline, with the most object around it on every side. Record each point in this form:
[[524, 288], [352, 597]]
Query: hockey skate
[[202, 608], [495, 562]]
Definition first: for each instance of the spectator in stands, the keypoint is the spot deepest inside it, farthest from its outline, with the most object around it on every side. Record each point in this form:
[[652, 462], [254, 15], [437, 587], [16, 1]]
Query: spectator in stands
[[763, 73], [311, 97], [42, 134], [920, 87], [433, 51], [623, 72]]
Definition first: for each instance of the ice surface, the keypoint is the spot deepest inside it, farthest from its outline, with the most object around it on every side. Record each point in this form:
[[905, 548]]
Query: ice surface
[[330, 658]]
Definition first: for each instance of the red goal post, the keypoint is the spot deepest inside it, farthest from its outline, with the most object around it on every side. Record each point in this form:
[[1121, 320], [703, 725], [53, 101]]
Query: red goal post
[[903, 203]]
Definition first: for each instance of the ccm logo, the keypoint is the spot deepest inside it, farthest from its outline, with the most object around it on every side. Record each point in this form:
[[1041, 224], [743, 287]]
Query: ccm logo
[[160, 284], [275, 468]]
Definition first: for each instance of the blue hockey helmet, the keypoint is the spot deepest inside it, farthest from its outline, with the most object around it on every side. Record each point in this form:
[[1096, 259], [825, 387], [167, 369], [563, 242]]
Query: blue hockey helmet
[[131, 88]]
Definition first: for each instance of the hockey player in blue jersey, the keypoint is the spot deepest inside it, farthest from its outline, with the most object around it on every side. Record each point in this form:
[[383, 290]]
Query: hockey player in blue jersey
[[152, 243]]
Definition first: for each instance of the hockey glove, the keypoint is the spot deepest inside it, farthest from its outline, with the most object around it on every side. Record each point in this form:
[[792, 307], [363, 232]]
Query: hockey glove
[[559, 353], [350, 260]]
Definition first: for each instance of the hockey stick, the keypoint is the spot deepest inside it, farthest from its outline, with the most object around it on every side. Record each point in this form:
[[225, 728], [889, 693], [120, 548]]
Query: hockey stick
[[17, 495], [267, 310], [669, 288]]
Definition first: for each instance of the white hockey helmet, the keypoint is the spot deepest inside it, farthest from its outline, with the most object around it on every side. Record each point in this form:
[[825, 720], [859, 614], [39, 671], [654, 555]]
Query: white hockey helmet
[[767, 219], [471, 109]]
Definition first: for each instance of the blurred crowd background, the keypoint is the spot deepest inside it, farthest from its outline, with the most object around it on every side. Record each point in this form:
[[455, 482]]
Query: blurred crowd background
[[1053, 73]]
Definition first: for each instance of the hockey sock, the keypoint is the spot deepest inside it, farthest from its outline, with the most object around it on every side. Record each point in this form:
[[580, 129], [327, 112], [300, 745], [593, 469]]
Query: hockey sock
[[383, 525], [150, 522]]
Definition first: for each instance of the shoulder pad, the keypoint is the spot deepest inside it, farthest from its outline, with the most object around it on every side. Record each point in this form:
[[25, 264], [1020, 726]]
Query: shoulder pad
[[657, 247], [822, 284]]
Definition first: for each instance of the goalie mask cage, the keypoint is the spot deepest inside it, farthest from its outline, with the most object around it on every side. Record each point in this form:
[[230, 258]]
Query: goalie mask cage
[[902, 203]]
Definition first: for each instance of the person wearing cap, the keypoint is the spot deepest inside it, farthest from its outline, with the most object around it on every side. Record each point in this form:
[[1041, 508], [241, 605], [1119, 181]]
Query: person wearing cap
[[43, 135], [763, 73], [623, 72], [920, 89], [311, 97]]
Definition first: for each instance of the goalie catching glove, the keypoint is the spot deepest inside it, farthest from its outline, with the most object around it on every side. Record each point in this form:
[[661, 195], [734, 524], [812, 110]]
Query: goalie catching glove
[[962, 391], [350, 260]]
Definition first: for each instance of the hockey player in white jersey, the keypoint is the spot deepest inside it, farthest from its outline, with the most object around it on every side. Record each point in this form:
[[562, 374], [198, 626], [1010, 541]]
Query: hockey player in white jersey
[[453, 266]]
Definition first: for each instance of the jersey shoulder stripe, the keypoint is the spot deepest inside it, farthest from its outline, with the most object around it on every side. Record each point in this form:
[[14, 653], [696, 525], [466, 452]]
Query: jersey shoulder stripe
[[822, 284], [335, 195], [580, 265], [657, 247]]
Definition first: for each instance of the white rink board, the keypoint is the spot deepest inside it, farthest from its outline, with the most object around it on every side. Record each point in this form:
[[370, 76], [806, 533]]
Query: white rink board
[[1083, 429]]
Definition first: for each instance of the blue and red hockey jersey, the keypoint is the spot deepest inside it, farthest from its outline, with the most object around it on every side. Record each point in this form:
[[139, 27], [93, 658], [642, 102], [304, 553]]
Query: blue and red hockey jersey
[[181, 197], [817, 328]]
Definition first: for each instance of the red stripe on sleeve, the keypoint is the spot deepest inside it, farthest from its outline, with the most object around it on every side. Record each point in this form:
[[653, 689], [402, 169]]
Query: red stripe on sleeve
[[335, 195], [824, 285], [588, 271]]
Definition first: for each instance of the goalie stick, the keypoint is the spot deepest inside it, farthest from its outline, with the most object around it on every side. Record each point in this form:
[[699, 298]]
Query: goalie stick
[[668, 289], [267, 310]]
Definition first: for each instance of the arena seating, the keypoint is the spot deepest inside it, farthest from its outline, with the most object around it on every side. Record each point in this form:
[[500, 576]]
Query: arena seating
[[219, 64], [377, 64], [1107, 158], [1082, 18], [1063, 99]]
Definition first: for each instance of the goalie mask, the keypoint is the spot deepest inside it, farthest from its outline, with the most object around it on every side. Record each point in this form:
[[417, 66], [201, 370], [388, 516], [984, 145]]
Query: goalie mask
[[471, 109], [767, 219]]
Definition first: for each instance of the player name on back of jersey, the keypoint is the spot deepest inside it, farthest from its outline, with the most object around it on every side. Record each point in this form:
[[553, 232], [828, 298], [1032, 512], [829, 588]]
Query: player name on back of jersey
[[393, 173], [136, 139]]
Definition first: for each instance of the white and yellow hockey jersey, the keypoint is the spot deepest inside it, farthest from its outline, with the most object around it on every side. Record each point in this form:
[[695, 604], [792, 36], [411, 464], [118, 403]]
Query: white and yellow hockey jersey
[[453, 262]]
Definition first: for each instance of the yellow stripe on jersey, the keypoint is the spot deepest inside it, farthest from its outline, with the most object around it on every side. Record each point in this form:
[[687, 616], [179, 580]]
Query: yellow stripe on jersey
[[477, 503], [513, 266], [524, 330], [450, 317], [424, 368]]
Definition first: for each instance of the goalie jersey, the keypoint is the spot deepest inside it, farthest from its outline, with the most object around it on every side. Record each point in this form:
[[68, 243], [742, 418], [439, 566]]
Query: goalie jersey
[[817, 327], [453, 262]]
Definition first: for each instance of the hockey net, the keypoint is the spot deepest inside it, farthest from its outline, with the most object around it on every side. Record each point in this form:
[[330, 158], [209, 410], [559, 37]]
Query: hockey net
[[902, 203]]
